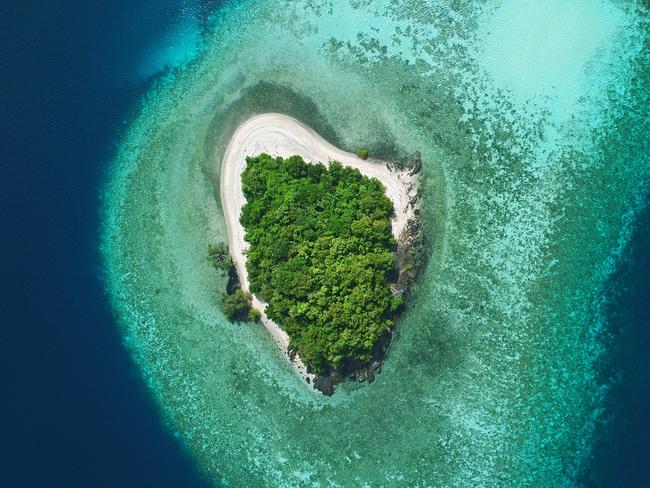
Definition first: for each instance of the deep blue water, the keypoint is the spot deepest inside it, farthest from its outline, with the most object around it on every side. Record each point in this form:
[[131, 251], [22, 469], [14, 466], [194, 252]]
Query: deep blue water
[[73, 404], [74, 408], [622, 458]]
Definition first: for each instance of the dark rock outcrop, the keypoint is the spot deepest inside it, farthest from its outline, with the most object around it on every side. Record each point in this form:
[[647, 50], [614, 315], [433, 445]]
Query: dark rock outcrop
[[324, 385]]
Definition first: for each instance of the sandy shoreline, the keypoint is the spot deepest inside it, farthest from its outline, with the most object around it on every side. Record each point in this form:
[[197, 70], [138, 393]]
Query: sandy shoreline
[[281, 135]]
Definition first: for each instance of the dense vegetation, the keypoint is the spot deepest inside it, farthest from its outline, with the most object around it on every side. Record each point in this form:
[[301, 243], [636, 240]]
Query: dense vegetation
[[321, 252], [219, 257], [235, 303], [236, 306]]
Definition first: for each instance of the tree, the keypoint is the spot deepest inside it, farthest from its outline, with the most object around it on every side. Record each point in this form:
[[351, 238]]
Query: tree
[[320, 255], [236, 306], [219, 257]]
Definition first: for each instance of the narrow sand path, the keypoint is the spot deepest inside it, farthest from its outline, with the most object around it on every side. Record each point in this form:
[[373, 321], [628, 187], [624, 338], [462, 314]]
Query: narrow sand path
[[281, 135]]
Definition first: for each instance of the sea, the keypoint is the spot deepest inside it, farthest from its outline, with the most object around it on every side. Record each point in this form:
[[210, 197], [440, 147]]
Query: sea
[[75, 408], [524, 356]]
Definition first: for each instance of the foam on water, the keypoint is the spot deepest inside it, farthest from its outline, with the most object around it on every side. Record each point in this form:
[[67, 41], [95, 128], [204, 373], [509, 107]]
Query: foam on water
[[492, 379]]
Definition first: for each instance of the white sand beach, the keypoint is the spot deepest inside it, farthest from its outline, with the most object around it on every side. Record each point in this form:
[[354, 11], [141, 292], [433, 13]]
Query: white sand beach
[[281, 135]]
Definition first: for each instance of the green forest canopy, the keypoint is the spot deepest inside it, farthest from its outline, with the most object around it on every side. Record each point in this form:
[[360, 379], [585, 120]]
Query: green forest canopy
[[320, 255]]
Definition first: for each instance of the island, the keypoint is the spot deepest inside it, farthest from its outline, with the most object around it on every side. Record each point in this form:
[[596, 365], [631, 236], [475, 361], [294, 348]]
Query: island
[[323, 244]]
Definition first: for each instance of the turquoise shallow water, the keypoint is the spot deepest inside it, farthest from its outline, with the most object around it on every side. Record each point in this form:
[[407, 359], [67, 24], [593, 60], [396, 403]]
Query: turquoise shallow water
[[531, 120]]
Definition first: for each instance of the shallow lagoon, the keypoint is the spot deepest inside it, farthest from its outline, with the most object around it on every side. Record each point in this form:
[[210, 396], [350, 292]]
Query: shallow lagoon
[[534, 178]]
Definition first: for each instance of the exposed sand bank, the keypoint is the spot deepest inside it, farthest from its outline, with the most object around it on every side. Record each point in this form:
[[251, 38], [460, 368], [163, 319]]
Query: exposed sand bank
[[281, 135]]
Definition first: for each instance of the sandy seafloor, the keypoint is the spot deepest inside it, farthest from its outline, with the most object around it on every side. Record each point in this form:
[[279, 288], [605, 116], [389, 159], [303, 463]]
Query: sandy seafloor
[[536, 161]]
